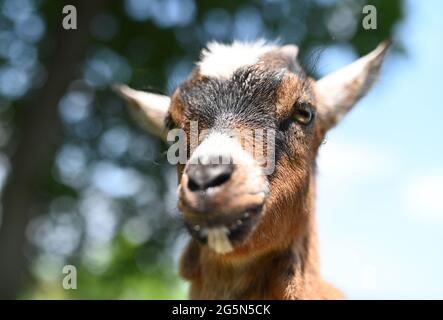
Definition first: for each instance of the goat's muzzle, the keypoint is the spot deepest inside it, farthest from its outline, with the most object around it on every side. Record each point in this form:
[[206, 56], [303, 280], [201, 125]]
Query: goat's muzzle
[[221, 203]]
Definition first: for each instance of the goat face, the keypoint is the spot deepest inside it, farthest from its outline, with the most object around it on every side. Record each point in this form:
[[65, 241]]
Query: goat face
[[257, 121], [250, 121]]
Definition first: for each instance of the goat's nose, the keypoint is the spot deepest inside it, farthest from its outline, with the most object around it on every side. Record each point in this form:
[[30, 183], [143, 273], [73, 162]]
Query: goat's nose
[[204, 176]]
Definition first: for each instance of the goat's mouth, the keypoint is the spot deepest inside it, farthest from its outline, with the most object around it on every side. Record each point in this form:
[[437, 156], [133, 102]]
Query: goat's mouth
[[223, 232]]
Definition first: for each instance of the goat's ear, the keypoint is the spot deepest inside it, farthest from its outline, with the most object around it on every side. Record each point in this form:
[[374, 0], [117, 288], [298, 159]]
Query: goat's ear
[[340, 90], [149, 109]]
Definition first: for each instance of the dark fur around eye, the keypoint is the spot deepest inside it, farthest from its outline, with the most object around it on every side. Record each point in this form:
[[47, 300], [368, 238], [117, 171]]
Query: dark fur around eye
[[285, 124]]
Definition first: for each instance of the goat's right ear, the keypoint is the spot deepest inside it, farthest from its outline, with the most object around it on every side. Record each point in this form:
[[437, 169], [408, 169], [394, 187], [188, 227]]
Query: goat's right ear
[[149, 109]]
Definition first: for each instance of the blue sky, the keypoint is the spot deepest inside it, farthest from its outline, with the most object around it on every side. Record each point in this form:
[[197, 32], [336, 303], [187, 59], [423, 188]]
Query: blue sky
[[380, 179]]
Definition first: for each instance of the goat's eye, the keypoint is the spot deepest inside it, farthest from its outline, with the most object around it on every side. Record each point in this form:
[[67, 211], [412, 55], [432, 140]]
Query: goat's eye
[[303, 114]]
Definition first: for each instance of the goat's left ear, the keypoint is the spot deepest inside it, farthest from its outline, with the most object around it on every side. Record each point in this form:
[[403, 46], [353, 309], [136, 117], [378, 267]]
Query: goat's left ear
[[149, 109], [339, 91]]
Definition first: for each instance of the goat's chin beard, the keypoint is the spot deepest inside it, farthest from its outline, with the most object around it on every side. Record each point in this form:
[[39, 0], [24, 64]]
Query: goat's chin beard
[[223, 233]]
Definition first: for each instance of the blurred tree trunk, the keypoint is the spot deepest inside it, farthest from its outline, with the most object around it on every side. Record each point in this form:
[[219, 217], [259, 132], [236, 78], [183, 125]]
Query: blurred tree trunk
[[39, 128]]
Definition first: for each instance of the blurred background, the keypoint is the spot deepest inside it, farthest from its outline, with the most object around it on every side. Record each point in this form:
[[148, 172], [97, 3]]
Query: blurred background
[[81, 184]]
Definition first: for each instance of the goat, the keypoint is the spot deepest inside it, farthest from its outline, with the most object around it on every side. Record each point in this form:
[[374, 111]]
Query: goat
[[253, 234]]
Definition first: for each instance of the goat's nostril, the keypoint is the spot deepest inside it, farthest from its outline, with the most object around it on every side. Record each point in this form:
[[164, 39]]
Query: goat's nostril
[[220, 179], [202, 177], [192, 185]]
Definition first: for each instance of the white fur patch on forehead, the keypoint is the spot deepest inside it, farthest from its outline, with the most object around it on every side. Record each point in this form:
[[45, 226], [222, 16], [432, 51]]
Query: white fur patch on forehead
[[222, 147], [221, 60]]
